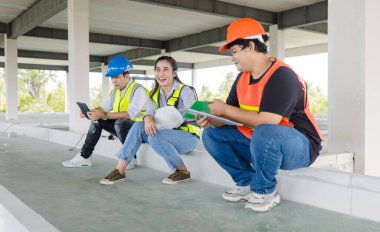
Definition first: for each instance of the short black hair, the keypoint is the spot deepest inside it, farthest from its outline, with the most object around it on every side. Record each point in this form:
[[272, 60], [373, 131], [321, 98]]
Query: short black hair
[[125, 73], [259, 46]]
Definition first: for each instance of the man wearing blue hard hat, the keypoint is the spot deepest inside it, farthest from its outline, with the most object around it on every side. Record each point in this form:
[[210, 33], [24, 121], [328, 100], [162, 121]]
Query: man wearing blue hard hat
[[117, 114]]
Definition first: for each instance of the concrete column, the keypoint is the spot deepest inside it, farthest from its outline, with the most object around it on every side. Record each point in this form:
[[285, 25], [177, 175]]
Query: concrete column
[[11, 80], [78, 40], [276, 42], [354, 52], [194, 77], [67, 98], [105, 83]]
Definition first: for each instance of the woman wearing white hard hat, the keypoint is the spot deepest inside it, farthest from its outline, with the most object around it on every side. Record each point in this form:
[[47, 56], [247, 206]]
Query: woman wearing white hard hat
[[169, 137]]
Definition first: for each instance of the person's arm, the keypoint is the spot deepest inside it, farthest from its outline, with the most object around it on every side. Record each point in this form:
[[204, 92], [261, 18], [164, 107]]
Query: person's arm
[[149, 123], [97, 113], [151, 107], [279, 98], [232, 100], [247, 117], [187, 97], [106, 104]]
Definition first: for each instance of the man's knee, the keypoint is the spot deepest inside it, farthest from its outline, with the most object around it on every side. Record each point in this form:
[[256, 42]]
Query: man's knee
[[95, 126], [262, 133], [123, 124], [211, 143], [118, 127], [120, 122], [263, 138], [208, 134]]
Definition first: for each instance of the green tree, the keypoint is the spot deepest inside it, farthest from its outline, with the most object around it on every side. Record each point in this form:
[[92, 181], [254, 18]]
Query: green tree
[[225, 86], [32, 91], [95, 96], [34, 81], [206, 94], [56, 98], [317, 100]]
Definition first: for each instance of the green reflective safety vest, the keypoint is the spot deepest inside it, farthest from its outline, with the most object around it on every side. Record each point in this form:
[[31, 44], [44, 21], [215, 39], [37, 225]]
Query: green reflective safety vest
[[121, 103], [173, 101]]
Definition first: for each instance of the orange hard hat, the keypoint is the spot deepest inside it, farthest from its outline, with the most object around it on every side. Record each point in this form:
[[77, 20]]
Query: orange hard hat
[[244, 28]]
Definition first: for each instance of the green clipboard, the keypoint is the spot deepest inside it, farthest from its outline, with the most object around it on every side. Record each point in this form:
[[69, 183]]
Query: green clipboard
[[201, 106]]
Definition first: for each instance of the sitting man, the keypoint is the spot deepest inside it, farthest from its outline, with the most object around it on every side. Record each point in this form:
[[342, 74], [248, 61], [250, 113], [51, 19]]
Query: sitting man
[[126, 105], [279, 131]]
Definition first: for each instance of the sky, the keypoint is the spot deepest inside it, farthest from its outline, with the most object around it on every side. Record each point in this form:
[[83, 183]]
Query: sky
[[312, 68]]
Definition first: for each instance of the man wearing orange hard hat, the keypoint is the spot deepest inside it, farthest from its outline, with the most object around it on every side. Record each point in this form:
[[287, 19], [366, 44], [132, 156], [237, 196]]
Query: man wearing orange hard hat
[[279, 131]]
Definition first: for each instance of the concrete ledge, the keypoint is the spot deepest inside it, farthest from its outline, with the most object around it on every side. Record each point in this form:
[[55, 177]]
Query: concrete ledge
[[365, 197], [340, 162], [320, 188], [16, 216], [346, 193], [200, 164]]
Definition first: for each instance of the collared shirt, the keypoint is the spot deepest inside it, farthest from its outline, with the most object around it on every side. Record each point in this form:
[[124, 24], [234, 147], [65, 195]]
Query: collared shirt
[[186, 98], [139, 101]]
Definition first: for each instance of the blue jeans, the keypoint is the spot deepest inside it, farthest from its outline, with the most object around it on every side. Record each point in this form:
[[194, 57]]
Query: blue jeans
[[119, 128], [256, 161], [167, 143]]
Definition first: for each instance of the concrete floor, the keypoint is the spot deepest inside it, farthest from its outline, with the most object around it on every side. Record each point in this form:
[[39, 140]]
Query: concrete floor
[[72, 200]]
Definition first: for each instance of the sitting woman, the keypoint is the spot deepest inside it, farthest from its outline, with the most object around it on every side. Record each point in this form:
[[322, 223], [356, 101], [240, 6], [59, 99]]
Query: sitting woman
[[168, 143]]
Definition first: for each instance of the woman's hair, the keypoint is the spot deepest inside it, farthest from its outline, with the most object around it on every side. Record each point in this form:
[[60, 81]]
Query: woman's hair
[[259, 46], [173, 63]]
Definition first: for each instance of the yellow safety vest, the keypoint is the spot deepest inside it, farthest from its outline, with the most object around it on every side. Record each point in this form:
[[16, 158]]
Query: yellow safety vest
[[173, 101], [121, 103]]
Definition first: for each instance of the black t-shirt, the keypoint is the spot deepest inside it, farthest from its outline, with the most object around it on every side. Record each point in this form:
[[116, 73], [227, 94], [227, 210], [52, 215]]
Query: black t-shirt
[[283, 95]]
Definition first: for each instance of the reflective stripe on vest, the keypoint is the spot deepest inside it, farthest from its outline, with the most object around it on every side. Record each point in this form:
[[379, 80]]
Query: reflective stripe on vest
[[250, 95], [173, 101], [121, 103]]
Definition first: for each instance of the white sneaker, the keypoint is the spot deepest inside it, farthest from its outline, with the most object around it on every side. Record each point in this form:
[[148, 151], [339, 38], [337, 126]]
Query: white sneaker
[[239, 193], [263, 202], [132, 164], [77, 162]]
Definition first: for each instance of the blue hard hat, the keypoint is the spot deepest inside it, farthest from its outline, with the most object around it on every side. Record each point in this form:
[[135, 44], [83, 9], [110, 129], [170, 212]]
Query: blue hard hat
[[118, 65]]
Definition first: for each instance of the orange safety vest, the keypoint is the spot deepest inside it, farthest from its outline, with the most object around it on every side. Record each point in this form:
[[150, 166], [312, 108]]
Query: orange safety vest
[[250, 95]]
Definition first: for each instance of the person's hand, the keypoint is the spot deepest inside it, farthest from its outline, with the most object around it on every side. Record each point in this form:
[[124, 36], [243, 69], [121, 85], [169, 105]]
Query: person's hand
[[150, 125], [203, 122], [217, 107], [95, 114]]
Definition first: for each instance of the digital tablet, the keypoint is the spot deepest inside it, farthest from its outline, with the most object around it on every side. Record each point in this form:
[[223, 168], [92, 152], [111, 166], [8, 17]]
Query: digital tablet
[[213, 117], [84, 108]]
